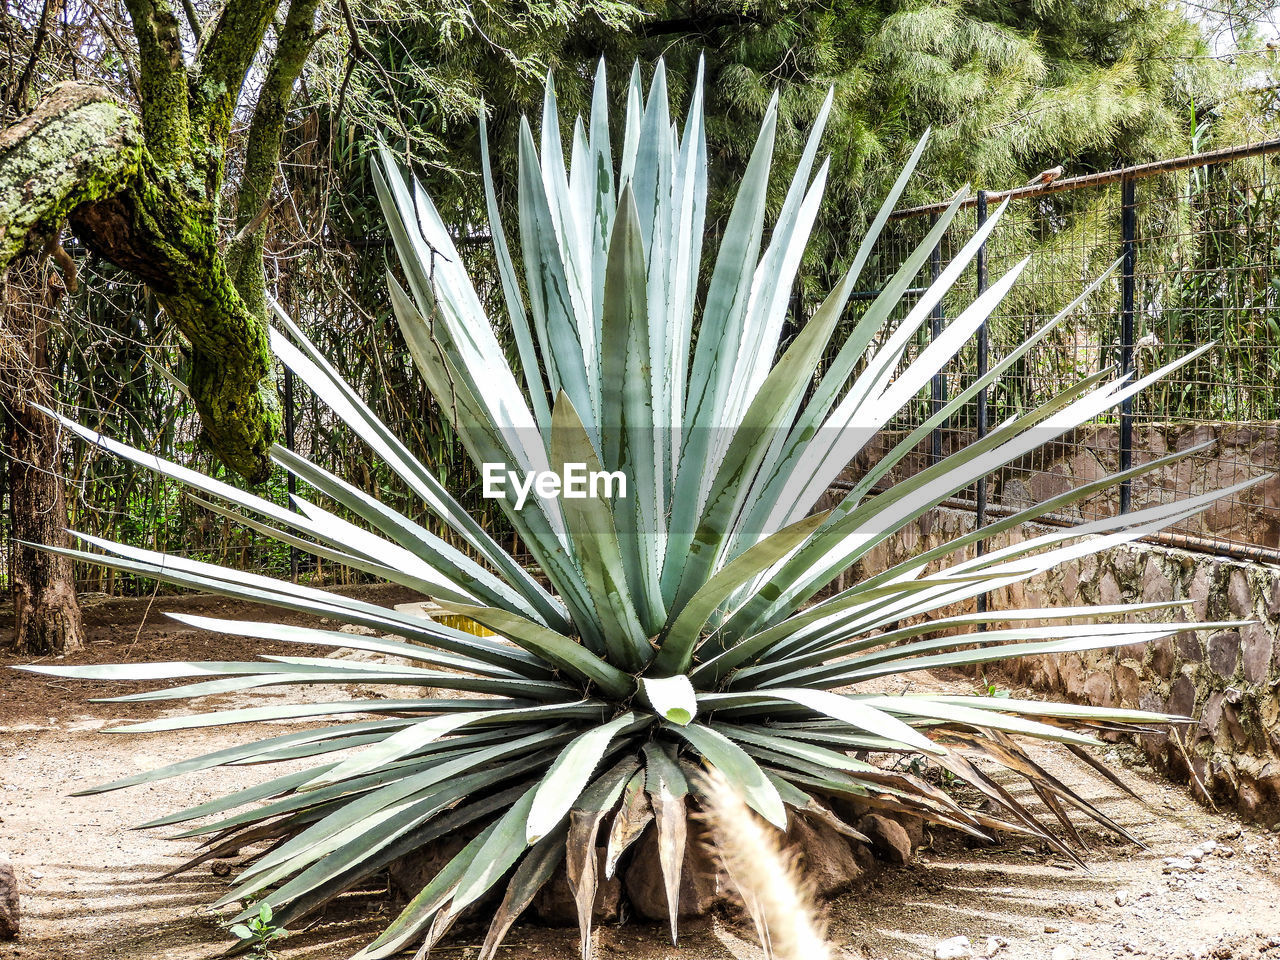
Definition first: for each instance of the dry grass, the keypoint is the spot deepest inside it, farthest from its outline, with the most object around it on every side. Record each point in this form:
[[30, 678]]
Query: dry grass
[[776, 895]]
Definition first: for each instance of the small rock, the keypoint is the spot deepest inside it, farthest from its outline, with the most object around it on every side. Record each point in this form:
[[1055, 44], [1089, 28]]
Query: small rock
[[1051, 928], [703, 887], [221, 868], [957, 948], [555, 905], [1122, 897], [888, 837], [993, 946], [1178, 864], [826, 858], [9, 915], [1229, 834], [1062, 952]]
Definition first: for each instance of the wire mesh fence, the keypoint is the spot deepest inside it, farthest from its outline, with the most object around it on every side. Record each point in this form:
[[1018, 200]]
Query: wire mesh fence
[[1187, 250], [1202, 237]]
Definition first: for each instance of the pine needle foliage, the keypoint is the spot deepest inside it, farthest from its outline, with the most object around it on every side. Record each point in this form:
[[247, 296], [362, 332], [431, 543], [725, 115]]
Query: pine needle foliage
[[678, 627]]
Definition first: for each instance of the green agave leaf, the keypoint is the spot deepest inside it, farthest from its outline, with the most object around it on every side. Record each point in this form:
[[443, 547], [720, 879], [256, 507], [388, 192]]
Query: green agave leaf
[[348, 790], [511, 290], [676, 651], [739, 769], [537, 867], [718, 337], [553, 647], [925, 708], [287, 633], [570, 773], [318, 374], [630, 428], [856, 713], [500, 850], [595, 536], [420, 911], [335, 863], [671, 698], [423, 732]]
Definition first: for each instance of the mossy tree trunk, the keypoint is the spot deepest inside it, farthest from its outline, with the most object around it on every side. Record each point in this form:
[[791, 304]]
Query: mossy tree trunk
[[46, 614], [142, 189]]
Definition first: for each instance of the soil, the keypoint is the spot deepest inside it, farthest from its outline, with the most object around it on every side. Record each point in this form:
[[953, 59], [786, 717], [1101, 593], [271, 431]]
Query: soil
[[88, 892]]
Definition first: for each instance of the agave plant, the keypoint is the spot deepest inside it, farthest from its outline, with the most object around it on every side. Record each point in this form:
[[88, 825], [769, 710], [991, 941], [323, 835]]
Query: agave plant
[[685, 625]]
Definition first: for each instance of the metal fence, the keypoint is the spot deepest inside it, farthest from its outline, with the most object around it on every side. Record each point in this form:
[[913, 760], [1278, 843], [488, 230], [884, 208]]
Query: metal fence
[[1197, 239]]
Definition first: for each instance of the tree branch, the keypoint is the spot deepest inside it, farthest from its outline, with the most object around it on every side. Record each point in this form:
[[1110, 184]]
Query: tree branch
[[193, 21], [262, 152], [77, 146], [224, 58], [162, 80]]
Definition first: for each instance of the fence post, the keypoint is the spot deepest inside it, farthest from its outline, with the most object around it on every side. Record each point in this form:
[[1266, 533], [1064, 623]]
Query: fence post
[[980, 513], [938, 385], [291, 481], [1129, 252]]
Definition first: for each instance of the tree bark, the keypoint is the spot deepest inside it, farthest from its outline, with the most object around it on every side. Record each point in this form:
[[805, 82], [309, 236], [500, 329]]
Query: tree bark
[[46, 612], [80, 157]]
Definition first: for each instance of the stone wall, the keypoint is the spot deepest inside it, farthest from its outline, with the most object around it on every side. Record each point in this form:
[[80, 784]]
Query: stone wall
[[1228, 680], [1235, 452]]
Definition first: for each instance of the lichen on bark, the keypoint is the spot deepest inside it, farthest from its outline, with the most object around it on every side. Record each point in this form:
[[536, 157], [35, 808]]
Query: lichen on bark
[[143, 192]]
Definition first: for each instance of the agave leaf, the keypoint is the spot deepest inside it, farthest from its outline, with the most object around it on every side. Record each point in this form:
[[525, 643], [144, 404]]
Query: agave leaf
[[500, 850], [429, 758], [594, 531], [420, 911], [425, 791], [701, 545], [537, 867], [511, 291], [423, 732], [551, 296], [667, 787], [281, 593], [417, 540], [629, 434], [722, 317], [672, 698], [570, 773], [318, 374], [388, 646], [676, 650], [555, 648], [817, 666], [775, 274], [739, 769], [356, 562], [924, 707], [582, 860], [860, 714], [634, 815]]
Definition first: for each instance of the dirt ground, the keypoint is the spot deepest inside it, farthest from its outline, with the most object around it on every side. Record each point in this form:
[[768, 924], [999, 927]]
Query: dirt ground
[[87, 889]]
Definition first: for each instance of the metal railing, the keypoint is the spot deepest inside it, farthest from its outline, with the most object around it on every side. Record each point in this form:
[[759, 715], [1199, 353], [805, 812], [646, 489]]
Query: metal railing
[[1198, 244]]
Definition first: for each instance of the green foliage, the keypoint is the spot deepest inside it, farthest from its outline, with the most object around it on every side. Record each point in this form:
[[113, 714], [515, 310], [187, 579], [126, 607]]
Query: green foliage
[[258, 932], [685, 624]]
